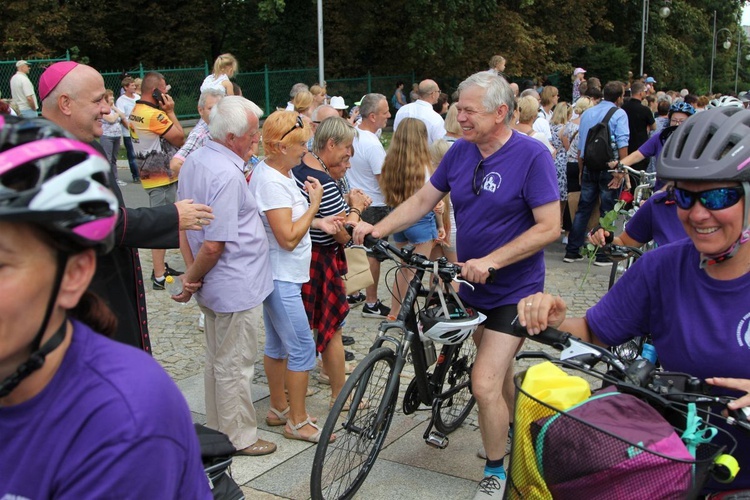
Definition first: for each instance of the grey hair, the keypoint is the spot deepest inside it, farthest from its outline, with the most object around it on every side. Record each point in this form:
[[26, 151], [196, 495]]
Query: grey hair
[[335, 128], [370, 104], [497, 92], [209, 92], [229, 116], [297, 88]]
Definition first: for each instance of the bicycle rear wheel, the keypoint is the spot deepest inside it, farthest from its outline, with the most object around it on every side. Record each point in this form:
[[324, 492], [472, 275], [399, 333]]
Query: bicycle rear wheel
[[340, 467], [453, 373]]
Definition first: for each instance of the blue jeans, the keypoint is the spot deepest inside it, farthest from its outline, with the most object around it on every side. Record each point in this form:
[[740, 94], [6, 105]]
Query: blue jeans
[[131, 156], [593, 186], [29, 113], [288, 334]]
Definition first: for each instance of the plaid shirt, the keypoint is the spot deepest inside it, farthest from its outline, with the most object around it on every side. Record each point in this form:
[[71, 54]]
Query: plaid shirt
[[197, 138]]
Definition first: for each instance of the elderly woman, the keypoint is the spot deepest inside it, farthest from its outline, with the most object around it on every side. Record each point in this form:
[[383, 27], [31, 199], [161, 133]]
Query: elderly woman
[[287, 217], [527, 114], [80, 415], [225, 66], [687, 295], [325, 295]]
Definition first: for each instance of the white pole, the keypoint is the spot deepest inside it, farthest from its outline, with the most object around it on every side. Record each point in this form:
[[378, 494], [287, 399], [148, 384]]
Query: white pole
[[644, 28], [321, 59]]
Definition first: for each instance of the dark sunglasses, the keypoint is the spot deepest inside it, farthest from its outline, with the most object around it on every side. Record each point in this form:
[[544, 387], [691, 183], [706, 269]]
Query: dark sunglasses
[[476, 182], [712, 199], [298, 124]]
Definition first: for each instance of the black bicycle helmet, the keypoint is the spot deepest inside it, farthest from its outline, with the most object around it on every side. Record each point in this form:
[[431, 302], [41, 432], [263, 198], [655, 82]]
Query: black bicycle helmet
[[710, 146]]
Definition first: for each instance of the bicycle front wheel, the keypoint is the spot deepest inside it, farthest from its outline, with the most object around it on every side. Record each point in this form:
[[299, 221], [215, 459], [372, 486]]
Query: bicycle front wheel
[[454, 373], [340, 467]]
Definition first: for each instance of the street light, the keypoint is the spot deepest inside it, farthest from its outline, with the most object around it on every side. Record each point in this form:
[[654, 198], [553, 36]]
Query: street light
[[740, 48], [727, 44], [664, 11]]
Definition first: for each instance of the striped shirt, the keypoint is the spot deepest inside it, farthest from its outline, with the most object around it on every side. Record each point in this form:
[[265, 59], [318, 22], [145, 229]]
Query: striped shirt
[[332, 203]]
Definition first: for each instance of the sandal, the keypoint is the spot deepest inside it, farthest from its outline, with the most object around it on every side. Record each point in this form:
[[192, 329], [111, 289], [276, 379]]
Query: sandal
[[260, 448], [279, 419], [291, 431]]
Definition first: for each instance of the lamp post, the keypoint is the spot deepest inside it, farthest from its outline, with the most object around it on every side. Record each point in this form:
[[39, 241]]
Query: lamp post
[[727, 43], [664, 11], [739, 58]]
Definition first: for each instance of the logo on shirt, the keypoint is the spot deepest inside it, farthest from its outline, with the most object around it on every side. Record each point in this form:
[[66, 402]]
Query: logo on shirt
[[491, 182], [743, 331]]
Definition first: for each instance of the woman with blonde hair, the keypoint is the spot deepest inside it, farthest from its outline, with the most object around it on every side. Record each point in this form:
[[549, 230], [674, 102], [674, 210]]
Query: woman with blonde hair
[[452, 127], [287, 218], [319, 95], [573, 175], [225, 66], [406, 169], [527, 109], [303, 103], [560, 117], [548, 99]]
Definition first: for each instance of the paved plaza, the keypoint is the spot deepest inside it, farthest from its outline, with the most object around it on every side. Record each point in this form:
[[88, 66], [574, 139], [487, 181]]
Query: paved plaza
[[407, 467]]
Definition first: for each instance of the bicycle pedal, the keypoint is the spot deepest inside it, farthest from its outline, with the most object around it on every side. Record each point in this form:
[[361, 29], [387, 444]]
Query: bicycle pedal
[[437, 440]]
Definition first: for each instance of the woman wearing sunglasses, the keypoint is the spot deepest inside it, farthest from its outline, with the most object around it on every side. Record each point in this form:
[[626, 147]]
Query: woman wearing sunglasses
[[287, 217], [691, 295]]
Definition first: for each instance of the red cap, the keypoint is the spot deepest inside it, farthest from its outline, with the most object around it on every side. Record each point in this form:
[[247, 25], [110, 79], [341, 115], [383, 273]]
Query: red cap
[[52, 76]]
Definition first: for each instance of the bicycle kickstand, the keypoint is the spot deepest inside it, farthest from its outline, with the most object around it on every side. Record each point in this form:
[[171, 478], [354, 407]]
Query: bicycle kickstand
[[435, 438]]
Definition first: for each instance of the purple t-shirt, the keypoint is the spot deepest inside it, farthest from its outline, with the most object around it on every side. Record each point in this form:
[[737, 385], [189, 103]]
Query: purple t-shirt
[[656, 220], [111, 423], [652, 147], [517, 178], [699, 325]]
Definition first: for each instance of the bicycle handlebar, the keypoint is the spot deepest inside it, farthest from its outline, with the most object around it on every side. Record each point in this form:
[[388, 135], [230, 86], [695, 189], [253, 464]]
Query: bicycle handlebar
[[641, 174], [446, 270], [640, 374]]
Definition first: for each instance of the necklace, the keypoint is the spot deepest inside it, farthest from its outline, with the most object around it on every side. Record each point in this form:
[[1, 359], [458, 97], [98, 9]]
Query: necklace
[[322, 163]]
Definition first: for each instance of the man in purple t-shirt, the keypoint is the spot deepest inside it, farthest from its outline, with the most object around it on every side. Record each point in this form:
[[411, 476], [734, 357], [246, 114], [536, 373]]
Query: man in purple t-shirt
[[504, 191]]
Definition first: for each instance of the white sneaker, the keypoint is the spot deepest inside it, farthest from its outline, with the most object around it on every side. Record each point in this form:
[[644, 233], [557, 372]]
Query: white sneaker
[[490, 487], [121, 183], [202, 322]]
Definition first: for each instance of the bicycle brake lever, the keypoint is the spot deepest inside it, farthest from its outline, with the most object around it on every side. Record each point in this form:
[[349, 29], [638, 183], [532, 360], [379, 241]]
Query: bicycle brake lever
[[740, 417], [459, 280]]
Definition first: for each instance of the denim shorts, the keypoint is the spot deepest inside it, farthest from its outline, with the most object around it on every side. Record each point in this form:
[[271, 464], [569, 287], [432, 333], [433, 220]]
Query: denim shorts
[[288, 334], [422, 231]]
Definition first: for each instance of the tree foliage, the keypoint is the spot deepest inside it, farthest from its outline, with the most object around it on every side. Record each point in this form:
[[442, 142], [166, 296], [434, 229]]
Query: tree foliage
[[443, 39]]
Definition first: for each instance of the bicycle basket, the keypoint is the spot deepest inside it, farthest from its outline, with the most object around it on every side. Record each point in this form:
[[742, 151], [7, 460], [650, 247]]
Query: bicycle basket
[[611, 446]]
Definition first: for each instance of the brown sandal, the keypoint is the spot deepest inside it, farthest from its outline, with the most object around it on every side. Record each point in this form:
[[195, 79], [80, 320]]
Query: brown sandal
[[260, 448]]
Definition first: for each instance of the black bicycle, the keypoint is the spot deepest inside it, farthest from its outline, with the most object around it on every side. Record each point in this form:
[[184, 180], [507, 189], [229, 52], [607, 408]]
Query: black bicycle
[[362, 413], [682, 400]]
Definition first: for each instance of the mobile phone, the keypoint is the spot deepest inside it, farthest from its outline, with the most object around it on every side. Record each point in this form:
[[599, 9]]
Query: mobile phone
[[156, 94]]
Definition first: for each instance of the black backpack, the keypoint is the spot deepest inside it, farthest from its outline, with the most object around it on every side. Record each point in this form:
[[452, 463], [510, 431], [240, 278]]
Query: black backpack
[[598, 149]]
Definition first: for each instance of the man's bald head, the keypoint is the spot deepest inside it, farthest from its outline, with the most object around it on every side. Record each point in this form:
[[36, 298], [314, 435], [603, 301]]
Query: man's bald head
[[78, 102], [322, 112]]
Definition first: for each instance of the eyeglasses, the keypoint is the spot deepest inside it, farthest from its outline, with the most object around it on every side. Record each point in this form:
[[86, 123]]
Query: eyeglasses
[[476, 182], [298, 124], [712, 199], [675, 123]]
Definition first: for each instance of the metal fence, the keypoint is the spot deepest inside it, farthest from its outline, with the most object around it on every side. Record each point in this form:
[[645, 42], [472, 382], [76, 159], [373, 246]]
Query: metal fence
[[268, 89]]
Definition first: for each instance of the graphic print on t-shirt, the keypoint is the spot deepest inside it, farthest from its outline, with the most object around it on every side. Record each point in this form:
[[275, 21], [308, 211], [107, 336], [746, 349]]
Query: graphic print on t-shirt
[[491, 182], [743, 331]]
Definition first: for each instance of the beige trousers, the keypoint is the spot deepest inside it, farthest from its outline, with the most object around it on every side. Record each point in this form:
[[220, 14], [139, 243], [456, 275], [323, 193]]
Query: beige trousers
[[231, 351]]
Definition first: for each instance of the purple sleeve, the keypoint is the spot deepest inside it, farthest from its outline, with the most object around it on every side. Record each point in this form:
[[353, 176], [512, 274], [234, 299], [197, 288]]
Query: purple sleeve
[[640, 227], [541, 187], [623, 312], [650, 147]]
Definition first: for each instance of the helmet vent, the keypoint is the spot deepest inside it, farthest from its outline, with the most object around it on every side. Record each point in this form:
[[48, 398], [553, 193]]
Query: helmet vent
[[703, 144]]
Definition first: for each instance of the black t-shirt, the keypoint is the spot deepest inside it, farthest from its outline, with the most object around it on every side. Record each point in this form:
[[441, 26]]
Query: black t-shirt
[[640, 118]]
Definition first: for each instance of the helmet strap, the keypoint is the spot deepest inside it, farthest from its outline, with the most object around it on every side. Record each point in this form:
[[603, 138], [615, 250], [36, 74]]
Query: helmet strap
[[707, 260], [38, 354], [437, 286]]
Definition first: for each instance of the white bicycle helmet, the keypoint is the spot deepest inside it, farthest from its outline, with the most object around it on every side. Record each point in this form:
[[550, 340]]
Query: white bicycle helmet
[[448, 321], [726, 101]]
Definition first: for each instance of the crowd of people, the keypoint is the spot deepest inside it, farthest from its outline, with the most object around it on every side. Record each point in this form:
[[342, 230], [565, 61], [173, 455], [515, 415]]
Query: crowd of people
[[488, 180]]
